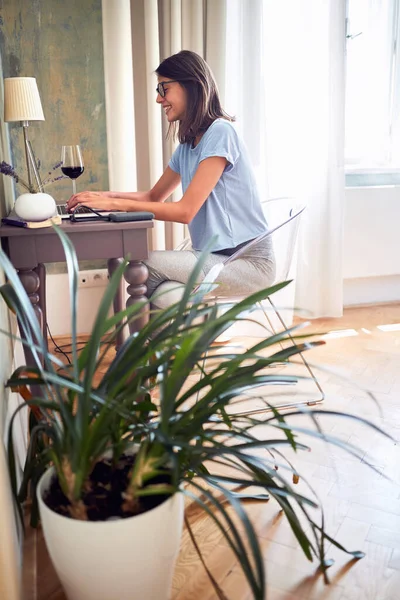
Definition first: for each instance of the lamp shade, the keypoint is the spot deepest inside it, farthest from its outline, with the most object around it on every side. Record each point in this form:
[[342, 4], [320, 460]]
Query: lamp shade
[[22, 100]]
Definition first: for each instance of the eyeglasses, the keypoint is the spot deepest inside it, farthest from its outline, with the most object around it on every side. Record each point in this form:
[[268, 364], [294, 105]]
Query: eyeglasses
[[160, 89]]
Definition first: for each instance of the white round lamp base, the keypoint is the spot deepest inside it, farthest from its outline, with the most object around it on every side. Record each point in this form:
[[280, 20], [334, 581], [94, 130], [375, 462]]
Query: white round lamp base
[[35, 207]]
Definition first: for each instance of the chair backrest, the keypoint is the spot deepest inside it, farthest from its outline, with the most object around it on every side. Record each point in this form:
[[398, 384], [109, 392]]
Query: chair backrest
[[283, 218]]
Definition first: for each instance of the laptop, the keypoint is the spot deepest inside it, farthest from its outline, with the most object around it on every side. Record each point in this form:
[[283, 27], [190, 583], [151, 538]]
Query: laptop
[[85, 213], [79, 213]]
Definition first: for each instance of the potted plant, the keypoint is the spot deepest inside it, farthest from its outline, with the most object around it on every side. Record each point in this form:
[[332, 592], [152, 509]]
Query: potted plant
[[110, 462], [39, 207]]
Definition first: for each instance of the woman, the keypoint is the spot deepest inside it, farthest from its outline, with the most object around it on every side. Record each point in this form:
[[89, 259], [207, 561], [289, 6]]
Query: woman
[[220, 198]]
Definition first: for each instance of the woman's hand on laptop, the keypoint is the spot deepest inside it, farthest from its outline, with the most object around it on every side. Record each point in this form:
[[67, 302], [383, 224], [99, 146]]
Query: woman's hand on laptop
[[99, 200]]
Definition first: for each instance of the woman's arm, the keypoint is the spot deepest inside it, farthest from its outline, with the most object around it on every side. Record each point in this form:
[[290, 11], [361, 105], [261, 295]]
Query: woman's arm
[[205, 179], [167, 183]]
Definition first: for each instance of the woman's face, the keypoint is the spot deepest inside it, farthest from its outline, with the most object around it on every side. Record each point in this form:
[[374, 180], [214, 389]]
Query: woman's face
[[175, 99]]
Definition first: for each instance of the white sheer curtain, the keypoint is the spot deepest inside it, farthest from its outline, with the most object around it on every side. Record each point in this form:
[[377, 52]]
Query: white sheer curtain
[[286, 85], [304, 67], [244, 88]]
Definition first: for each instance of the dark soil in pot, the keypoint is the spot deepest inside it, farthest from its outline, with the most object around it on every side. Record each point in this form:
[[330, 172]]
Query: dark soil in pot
[[104, 498]]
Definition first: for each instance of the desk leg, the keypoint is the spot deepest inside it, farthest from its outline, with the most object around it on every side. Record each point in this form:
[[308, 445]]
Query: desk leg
[[136, 275], [31, 283], [41, 271], [113, 264]]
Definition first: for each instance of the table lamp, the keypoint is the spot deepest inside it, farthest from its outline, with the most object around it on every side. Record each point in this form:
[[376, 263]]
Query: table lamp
[[22, 103]]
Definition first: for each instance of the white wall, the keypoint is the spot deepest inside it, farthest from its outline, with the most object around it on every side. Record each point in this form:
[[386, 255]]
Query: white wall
[[10, 548], [371, 267], [58, 306]]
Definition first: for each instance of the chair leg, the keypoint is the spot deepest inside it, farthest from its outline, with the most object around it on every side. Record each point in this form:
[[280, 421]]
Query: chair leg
[[306, 364], [304, 360], [274, 331]]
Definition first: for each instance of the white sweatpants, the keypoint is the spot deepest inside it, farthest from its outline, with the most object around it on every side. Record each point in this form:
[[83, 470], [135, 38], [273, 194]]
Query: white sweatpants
[[253, 271]]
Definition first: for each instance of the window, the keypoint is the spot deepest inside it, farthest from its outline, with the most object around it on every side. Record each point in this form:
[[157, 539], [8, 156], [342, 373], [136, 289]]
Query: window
[[372, 152]]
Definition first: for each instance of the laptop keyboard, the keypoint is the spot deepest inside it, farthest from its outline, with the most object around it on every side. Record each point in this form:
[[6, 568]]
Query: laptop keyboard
[[63, 210], [80, 212]]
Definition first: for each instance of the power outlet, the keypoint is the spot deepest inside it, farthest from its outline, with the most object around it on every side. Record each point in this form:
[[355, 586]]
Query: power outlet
[[94, 278]]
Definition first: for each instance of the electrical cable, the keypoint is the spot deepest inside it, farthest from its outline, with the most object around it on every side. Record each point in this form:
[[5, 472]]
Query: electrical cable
[[57, 347], [79, 346]]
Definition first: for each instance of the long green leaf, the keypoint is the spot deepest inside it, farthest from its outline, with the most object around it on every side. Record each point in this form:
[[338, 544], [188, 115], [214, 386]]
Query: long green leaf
[[73, 270], [255, 578]]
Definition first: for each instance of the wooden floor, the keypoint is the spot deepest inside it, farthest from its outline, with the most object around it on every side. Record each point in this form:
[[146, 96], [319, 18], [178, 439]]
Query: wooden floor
[[362, 507]]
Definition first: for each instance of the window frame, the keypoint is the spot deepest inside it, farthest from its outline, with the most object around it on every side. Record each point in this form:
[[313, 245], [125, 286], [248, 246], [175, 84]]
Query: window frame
[[364, 176]]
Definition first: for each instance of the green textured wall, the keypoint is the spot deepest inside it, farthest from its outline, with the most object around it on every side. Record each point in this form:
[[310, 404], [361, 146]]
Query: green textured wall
[[60, 43]]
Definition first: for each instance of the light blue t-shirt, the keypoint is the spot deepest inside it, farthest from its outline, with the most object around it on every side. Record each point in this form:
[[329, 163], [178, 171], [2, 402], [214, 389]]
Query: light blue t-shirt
[[233, 210]]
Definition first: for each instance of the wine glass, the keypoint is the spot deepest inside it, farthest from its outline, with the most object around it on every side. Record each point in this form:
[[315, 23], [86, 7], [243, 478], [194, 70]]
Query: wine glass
[[72, 163]]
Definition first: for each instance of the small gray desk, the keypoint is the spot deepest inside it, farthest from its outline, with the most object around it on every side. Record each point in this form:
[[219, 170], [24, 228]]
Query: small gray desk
[[29, 249]]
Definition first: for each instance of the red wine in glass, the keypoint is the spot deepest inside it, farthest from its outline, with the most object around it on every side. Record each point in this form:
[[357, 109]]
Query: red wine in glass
[[72, 163]]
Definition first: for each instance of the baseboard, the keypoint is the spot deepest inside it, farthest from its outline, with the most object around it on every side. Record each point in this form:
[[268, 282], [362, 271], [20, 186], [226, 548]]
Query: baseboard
[[371, 290]]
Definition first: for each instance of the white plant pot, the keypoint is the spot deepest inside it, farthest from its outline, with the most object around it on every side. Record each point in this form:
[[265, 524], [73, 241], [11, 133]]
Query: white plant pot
[[125, 559], [35, 207]]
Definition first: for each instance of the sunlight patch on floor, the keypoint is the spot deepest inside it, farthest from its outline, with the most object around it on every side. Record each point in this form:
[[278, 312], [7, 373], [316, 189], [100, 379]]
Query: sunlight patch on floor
[[389, 327], [340, 333]]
